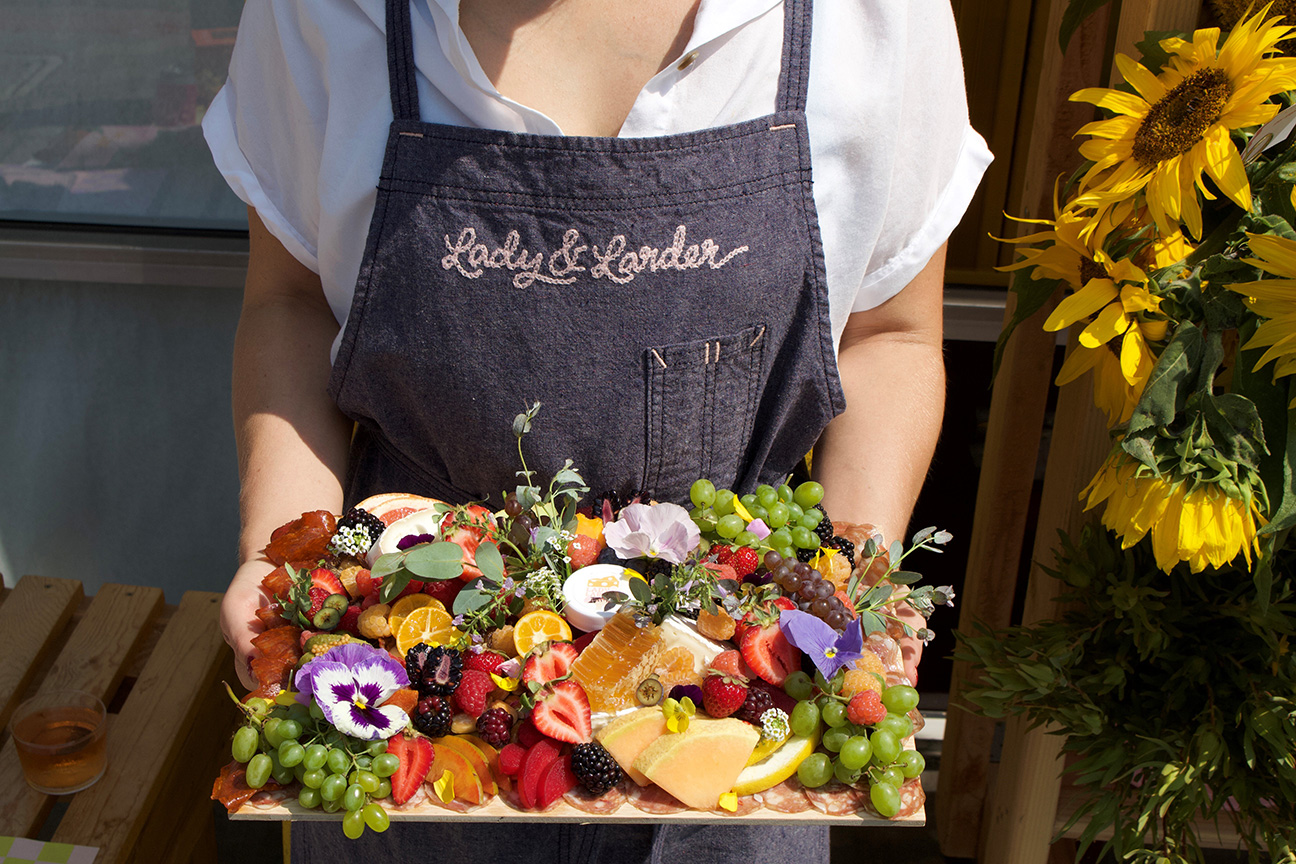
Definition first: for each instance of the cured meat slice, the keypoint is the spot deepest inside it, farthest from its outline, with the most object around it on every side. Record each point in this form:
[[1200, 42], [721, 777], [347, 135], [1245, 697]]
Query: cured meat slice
[[655, 800], [271, 616], [279, 651], [231, 788], [268, 799], [888, 651], [277, 583], [609, 802], [836, 799], [918, 720], [912, 798], [303, 541], [746, 804], [787, 797]]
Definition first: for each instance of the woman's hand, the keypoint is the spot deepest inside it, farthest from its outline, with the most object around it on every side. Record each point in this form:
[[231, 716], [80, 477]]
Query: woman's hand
[[238, 615]]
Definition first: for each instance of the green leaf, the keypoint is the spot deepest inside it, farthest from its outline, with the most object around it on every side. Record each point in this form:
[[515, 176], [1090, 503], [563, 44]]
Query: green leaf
[[640, 591], [489, 561], [1076, 12], [905, 577], [437, 561], [470, 600], [1032, 294], [871, 622], [393, 584], [1154, 56]]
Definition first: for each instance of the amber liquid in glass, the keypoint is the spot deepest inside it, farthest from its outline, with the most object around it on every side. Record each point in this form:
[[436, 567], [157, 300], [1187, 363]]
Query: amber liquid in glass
[[61, 748]]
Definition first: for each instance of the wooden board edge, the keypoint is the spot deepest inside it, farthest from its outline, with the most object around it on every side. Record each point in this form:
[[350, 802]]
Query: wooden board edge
[[47, 644]]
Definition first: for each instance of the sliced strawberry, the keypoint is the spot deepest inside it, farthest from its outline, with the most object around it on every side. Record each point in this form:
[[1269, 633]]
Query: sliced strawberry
[[317, 597], [731, 663], [468, 537], [328, 580], [350, 620], [556, 782], [767, 613], [580, 643], [551, 664], [769, 654], [534, 766], [415, 755], [562, 712], [510, 758]]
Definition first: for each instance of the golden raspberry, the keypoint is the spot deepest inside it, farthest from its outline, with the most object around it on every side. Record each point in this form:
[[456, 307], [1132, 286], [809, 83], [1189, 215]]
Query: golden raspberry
[[858, 681], [373, 621]]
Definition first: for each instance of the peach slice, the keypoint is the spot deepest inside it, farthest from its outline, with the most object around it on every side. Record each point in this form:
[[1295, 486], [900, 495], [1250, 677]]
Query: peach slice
[[466, 785], [475, 757], [492, 759]]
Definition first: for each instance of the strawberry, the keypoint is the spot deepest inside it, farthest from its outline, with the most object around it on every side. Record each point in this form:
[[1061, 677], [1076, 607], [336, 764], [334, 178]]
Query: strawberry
[[328, 580], [487, 661], [765, 614], [562, 712], [474, 687], [744, 561], [317, 597], [538, 760], [583, 551], [722, 695], [510, 759], [415, 755], [444, 590], [769, 654], [722, 553], [585, 640], [552, 663], [350, 619], [528, 734], [555, 782], [865, 708], [468, 537], [731, 663]]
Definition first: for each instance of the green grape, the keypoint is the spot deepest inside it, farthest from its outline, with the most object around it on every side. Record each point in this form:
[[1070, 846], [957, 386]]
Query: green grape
[[785, 493], [885, 798], [777, 515], [892, 775], [333, 787], [911, 764], [270, 732], [724, 502], [284, 698], [849, 776], [258, 706], [810, 519], [756, 511], [785, 551], [353, 824], [375, 817], [805, 719], [338, 761], [834, 714], [333, 738], [309, 798], [364, 761], [885, 747], [900, 699], [804, 538], [815, 770], [299, 772], [291, 754], [748, 500], [289, 730], [299, 714], [314, 777], [898, 726], [835, 738], [385, 765], [702, 493], [282, 775], [316, 712], [729, 526], [705, 520], [330, 806], [856, 752], [354, 797], [316, 756], [368, 781], [258, 770], [798, 685], [808, 494], [766, 495], [244, 746], [794, 513], [745, 538], [384, 789]]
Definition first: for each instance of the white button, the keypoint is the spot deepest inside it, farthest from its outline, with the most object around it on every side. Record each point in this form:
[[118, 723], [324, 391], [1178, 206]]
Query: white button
[[687, 60]]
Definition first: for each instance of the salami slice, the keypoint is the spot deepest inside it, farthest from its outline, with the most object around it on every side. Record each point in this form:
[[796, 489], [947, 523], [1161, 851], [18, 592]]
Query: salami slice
[[787, 797], [836, 799], [918, 721], [268, 799], [746, 804], [609, 802], [912, 798], [655, 800]]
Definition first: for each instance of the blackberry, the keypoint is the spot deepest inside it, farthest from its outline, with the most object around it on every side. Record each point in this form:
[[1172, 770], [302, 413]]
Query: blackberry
[[434, 671], [806, 555], [432, 716], [494, 727], [595, 768], [825, 530], [617, 498], [845, 547], [658, 567], [356, 532], [757, 703]]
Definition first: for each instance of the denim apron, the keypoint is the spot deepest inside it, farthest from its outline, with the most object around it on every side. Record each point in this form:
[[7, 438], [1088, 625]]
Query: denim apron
[[663, 298]]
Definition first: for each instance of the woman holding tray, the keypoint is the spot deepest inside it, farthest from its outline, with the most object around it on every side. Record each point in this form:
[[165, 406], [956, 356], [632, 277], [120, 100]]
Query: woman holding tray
[[457, 208]]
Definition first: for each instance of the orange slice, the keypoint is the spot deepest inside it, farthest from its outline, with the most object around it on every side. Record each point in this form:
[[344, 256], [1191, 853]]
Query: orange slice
[[539, 626], [428, 624], [407, 604]]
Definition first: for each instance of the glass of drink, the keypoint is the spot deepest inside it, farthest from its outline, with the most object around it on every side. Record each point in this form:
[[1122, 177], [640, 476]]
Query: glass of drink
[[59, 736]]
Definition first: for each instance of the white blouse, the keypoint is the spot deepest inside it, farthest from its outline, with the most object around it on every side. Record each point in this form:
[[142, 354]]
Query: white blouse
[[299, 128]]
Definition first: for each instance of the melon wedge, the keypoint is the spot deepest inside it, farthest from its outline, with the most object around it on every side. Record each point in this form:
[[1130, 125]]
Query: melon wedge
[[626, 737], [699, 765]]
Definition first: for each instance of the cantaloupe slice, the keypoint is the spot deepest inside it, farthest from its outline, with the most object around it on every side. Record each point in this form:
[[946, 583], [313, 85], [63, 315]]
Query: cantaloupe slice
[[626, 737], [701, 764]]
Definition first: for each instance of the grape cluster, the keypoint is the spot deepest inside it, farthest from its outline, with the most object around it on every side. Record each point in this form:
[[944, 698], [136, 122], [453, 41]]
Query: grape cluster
[[287, 741], [807, 587], [791, 515], [855, 754]]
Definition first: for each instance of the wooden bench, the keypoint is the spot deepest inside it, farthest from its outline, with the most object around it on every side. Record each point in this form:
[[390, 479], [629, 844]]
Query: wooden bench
[[158, 668]]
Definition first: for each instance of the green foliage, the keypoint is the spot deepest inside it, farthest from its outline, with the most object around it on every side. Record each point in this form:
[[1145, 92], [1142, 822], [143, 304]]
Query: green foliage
[[1076, 12]]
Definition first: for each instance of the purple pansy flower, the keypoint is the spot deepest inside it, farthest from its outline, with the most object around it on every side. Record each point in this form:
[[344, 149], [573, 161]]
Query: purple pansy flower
[[664, 531], [414, 540], [350, 683], [820, 643]]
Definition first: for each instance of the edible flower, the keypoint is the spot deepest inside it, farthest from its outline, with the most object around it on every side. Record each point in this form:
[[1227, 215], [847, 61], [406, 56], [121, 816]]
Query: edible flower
[[664, 531], [729, 801], [820, 643], [350, 683], [678, 713]]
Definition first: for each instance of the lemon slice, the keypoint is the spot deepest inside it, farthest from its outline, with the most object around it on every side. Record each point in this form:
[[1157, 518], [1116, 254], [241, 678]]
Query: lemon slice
[[764, 748], [777, 767]]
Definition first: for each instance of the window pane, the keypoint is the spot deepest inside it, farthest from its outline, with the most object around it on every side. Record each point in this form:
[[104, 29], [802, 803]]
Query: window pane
[[100, 105]]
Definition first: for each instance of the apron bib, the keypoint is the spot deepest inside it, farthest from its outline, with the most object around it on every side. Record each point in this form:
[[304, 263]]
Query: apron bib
[[663, 298]]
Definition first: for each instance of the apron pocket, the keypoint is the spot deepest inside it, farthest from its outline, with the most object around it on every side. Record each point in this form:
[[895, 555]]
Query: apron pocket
[[701, 400]]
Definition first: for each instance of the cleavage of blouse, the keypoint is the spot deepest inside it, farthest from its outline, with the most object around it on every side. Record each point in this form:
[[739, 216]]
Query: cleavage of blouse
[[663, 298]]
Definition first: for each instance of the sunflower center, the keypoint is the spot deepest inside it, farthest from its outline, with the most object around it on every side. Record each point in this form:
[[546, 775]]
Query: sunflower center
[[1089, 269], [1177, 120]]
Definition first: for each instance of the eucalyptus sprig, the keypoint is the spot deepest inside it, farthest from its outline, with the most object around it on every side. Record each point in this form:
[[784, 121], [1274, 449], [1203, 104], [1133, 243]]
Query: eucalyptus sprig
[[686, 589], [894, 586]]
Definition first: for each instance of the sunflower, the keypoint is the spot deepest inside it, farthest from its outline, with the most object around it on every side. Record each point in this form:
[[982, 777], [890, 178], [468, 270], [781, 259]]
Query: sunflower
[[1118, 380], [1178, 123], [1197, 523], [1275, 301]]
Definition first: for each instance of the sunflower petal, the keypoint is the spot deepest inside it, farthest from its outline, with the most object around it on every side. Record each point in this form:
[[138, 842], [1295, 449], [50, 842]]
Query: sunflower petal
[[1110, 323], [1224, 164], [1095, 294], [1140, 78]]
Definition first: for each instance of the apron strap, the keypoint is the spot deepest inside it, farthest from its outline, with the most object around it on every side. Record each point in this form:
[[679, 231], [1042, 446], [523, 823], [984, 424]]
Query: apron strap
[[400, 61], [794, 77]]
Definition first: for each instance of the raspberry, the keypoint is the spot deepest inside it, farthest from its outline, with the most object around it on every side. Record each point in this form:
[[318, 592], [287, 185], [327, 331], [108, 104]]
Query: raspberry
[[487, 661], [722, 553], [529, 735], [722, 695], [474, 687], [866, 708], [444, 590], [595, 768], [756, 704], [744, 561], [494, 727], [432, 716]]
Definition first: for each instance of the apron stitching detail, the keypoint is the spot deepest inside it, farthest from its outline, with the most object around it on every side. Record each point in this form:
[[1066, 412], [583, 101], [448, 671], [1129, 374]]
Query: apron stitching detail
[[760, 184], [758, 336], [411, 134], [659, 358], [772, 128]]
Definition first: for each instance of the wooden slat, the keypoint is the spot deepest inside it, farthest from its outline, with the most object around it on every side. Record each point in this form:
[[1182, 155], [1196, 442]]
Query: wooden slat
[[94, 659], [32, 619], [153, 726], [1211, 835]]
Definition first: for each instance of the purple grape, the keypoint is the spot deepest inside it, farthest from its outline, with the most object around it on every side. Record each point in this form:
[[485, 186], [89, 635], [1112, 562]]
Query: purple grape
[[808, 590], [825, 589], [837, 619], [820, 608], [772, 560]]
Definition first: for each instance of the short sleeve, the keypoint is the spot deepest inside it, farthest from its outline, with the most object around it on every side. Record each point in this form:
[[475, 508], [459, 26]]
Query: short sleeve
[[265, 127]]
